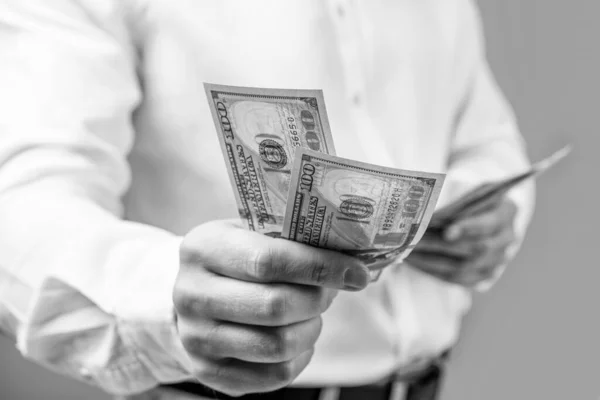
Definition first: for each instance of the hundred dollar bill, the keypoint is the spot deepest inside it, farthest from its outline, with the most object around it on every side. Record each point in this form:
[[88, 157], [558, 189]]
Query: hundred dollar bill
[[377, 214], [259, 130], [481, 196]]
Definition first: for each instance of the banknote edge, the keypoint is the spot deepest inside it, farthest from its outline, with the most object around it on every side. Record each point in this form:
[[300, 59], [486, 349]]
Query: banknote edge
[[275, 93], [290, 202], [451, 211], [232, 179], [367, 166], [427, 215]]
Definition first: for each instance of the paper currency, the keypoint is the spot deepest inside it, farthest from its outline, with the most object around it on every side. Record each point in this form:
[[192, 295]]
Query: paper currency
[[482, 195], [375, 213], [259, 130]]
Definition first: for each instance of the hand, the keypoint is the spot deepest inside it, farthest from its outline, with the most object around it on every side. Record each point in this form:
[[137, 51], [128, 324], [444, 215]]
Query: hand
[[469, 250], [249, 306]]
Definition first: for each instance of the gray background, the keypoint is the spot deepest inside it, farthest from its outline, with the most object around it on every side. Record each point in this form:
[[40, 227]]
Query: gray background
[[535, 335]]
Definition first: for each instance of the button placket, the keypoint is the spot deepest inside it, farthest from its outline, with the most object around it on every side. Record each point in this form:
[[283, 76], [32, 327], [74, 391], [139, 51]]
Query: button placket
[[347, 22]]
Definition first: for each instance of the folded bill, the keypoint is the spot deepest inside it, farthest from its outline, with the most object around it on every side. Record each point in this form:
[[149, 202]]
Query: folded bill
[[479, 197], [259, 130], [375, 213]]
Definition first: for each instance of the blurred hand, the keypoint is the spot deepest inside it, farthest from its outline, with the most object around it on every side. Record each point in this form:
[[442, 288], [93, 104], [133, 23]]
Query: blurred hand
[[249, 306], [471, 249]]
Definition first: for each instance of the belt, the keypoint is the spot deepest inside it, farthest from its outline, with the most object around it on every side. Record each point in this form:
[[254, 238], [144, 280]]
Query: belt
[[422, 386]]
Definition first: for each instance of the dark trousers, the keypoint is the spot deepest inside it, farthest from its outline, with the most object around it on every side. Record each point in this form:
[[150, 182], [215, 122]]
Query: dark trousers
[[424, 386]]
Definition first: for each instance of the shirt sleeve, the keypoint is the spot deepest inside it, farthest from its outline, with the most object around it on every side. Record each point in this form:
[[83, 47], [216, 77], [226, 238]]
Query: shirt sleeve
[[487, 145], [82, 291]]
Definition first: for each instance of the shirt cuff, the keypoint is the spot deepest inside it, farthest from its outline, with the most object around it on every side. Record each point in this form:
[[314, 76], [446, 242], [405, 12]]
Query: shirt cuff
[[146, 315]]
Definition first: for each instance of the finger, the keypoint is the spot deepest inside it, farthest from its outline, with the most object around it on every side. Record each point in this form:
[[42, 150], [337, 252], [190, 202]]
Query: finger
[[470, 278], [431, 243], [448, 271], [470, 203], [485, 224], [487, 261], [466, 248], [204, 295], [486, 204], [442, 267], [217, 340], [485, 265], [488, 272], [236, 377], [259, 258]]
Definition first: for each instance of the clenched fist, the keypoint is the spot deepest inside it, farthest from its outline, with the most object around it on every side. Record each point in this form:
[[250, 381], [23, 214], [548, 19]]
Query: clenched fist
[[249, 306]]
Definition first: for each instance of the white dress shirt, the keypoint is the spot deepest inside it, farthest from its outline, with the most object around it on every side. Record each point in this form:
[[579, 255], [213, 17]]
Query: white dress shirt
[[108, 155]]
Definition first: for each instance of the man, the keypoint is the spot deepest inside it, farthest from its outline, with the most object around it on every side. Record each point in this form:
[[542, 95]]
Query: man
[[117, 266]]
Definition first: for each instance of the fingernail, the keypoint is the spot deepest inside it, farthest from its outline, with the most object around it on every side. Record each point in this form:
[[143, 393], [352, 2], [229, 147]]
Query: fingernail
[[452, 233], [355, 278]]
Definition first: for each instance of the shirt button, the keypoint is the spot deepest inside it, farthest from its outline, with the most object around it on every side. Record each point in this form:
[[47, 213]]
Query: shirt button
[[356, 100], [341, 11]]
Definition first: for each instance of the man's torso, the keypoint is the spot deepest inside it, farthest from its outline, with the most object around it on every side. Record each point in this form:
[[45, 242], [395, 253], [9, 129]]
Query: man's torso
[[389, 76]]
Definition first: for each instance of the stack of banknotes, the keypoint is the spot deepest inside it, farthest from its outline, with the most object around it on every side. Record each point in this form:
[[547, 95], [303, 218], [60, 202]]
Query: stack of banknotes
[[289, 183]]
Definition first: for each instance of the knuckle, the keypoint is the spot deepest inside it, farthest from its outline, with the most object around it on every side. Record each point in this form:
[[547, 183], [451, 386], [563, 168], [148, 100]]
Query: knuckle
[[275, 306], [182, 303], [289, 340], [487, 272], [194, 345], [482, 247], [318, 272], [189, 306], [285, 372], [210, 340], [284, 344], [262, 265], [275, 349], [189, 253]]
